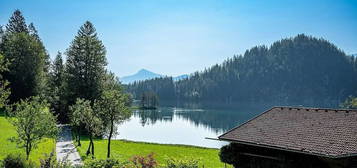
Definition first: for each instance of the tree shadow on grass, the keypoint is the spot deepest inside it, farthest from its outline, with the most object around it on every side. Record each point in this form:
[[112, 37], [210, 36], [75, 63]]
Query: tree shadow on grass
[[2, 113]]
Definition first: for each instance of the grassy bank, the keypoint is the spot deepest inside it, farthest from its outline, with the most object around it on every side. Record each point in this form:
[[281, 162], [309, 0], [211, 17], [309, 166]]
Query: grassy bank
[[124, 150], [6, 146]]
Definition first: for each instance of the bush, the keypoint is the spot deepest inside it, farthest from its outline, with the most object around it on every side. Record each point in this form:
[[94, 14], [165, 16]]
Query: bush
[[144, 161], [49, 161], [100, 163], [178, 163], [16, 160], [229, 154]]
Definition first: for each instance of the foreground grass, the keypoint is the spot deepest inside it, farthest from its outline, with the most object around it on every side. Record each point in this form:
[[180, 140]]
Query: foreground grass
[[6, 146], [124, 150]]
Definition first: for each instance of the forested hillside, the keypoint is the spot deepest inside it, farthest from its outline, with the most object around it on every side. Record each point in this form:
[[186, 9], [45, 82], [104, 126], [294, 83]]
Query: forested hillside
[[302, 70]]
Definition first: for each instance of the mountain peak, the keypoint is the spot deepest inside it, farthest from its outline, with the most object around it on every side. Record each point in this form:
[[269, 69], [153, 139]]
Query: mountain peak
[[144, 71], [142, 74]]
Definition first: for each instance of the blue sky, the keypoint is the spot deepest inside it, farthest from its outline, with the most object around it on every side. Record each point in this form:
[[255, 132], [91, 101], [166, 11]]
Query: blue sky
[[174, 37]]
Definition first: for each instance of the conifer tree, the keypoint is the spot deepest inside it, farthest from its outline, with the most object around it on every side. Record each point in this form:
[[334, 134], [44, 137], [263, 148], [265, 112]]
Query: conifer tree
[[33, 31], [57, 87], [27, 56], [4, 90], [1, 34], [44, 85], [86, 64], [17, 23]]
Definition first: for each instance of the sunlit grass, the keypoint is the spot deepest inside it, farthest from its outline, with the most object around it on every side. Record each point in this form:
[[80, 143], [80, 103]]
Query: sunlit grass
[[124, 150], [6, 146]]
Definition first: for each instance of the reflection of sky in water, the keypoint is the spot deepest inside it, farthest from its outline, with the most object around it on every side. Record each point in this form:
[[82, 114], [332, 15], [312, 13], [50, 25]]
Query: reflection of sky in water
[[181, 126]]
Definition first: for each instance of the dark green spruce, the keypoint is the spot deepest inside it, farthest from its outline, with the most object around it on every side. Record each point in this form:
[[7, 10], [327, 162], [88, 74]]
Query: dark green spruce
[[86, 65], [58, 88], [28, 59]]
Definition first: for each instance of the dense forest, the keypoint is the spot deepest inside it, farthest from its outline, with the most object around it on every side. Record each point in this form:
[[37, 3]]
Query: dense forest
[[36, 92], [302, 70], [30, 71]]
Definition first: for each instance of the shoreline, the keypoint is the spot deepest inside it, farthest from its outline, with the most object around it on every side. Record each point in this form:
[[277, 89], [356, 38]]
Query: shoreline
[[156, 143]]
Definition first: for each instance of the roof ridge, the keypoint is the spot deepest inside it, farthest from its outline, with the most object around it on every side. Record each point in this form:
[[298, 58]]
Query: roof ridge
[[314, 108]]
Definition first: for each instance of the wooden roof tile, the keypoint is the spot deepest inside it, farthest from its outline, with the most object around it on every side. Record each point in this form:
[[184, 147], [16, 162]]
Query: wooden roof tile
[[324, 132]]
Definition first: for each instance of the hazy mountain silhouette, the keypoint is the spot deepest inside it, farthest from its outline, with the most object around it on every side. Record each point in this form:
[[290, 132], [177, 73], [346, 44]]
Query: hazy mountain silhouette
[[180, 77], [144, 74]]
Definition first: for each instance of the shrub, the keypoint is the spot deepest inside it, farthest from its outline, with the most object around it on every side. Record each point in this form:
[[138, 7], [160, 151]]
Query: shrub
[[49, 161], [16, 160], [228, 154], [179, 163], [144, 161], [100, 163]]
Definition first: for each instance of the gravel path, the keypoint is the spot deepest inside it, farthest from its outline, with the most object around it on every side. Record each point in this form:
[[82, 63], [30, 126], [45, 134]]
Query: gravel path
[[65, 149]]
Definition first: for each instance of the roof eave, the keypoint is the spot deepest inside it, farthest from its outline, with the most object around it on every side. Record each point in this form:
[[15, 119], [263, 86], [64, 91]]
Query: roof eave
[[287, 149]]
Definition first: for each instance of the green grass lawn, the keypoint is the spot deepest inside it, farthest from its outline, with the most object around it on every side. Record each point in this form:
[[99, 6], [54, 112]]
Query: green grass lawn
[[6, 147], [124, 150]]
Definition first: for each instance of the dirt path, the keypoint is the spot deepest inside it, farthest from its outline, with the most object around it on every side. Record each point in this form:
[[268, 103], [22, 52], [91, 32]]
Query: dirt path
[[65, 149]]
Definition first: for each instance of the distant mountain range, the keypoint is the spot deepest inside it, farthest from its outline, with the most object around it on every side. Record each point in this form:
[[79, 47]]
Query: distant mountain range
[[144, 74]]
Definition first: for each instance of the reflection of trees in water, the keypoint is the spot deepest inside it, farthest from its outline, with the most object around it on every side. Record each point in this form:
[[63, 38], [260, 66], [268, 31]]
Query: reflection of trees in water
[[216, 120], [149, 117]]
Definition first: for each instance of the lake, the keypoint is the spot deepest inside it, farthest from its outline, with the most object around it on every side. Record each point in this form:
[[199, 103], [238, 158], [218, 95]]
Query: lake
[[188, 126]]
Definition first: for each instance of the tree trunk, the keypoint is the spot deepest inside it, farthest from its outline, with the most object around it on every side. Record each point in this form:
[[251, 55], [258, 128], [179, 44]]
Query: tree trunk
[[27, 151], [92, 149], [110, 137], [27, 154], [90, 145], [79, 136]]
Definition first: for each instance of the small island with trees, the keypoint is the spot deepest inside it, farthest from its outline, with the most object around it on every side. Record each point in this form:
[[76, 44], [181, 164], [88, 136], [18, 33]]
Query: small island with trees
[[149, 101]]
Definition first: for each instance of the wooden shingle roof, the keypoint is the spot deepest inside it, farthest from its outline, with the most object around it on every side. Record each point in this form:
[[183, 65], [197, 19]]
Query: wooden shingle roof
[[323, 132]]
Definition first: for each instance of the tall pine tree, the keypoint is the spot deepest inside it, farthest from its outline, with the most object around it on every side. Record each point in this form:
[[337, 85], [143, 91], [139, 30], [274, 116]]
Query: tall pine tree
[[57, 88], [17, 23], [27, 56], [1, 34], [86, 65], [44, 82], [4, 90]]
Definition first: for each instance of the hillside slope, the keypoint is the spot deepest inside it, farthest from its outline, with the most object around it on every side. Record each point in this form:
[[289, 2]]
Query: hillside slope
[[302, 70]]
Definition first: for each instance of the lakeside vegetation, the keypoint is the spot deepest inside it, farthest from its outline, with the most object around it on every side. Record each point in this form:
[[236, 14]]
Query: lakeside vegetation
[[149, 100], [124, 150]]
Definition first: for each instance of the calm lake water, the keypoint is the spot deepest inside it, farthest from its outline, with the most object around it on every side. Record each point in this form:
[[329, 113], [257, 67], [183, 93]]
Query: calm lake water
[[189, 126]]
